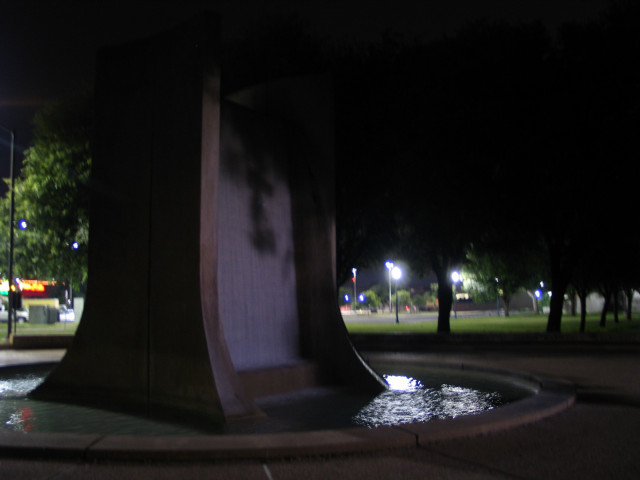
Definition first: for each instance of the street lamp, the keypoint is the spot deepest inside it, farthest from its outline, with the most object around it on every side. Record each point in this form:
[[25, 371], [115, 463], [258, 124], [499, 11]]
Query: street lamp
[[396, 273], [389, 266], [355, 295], [10, 296], [455, 278], [538, 294]]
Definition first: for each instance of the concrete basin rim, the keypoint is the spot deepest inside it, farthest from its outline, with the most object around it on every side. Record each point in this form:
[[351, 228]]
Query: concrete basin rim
[[552, 396], [536, 382]]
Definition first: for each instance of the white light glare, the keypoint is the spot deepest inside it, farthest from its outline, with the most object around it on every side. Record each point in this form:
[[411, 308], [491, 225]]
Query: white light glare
[[402, 383], [396, 273]]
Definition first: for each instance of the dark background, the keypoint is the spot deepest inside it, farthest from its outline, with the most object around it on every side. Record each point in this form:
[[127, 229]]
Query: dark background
[[48, 49]]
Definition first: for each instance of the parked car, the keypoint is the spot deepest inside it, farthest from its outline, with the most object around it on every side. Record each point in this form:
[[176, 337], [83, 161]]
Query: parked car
[[66, 314], [22, 315]]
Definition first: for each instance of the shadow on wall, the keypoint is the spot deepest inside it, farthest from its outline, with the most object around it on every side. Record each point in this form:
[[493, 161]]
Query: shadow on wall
[[254, 159], [256, 241]]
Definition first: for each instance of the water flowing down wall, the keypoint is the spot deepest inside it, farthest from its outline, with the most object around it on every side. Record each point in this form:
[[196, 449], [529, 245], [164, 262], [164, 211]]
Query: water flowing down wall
[[212, 256], [257, 297]]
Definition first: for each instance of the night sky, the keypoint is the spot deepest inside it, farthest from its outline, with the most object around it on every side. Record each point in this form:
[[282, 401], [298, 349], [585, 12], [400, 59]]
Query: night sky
[[48, 49]]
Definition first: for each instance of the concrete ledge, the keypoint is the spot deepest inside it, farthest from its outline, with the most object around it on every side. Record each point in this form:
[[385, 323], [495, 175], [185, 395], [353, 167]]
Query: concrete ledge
[[286, 378], [264, 446], [552, 397], [45, 445], [529, 410]]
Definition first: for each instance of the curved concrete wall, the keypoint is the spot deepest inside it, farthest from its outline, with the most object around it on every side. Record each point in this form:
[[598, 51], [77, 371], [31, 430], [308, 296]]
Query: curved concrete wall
[[212, 237]]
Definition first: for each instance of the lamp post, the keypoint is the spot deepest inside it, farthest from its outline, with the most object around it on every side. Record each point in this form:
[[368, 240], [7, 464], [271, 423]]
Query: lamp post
[[10, 295], [355, 295], [389, 266], [396, 273], [455, 278]]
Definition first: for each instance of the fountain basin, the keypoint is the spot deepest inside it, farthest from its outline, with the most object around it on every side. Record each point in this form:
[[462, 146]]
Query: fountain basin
[[544, 398]]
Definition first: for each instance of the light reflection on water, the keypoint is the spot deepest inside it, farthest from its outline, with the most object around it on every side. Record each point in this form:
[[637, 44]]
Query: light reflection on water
[[415, 394], [21, 414], [18, 417], [408, 401], [18, 387]]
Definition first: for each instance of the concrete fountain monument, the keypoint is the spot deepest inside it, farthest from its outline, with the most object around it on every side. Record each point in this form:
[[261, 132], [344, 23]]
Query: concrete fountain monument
[[212, 257]]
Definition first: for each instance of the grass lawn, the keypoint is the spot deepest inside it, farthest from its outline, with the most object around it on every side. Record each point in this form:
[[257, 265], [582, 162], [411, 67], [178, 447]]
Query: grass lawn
[[512, 324], [65, 328], [517, 323]]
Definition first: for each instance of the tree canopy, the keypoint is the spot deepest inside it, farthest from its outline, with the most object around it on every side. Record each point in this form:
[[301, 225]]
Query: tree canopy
[[52, 196], [502, 145], [500, 135]]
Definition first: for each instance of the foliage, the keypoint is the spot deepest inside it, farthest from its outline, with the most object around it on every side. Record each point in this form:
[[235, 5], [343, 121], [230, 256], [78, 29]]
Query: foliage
[[4, 234], [372, 299], [424, 300], [488, 139], [52, 195], [475, 150], [418, 148], [380, 291], [500, 270], [404, 299]]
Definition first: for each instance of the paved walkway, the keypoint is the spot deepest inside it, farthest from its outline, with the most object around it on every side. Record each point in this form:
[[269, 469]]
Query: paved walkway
[[596, 438]]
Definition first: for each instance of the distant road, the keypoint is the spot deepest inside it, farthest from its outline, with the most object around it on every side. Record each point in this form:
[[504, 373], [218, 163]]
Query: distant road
[[420, 317]]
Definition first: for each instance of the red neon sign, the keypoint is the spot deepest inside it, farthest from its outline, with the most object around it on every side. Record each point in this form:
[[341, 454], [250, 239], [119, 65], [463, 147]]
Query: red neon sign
[[32, 287]]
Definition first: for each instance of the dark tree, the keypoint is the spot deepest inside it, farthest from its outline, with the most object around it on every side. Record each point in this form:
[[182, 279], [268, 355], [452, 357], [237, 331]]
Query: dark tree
[[52, 194], [589, 141], [468, 138]]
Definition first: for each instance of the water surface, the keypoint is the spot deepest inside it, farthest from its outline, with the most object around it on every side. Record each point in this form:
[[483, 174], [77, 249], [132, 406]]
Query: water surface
[[416, 394]]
